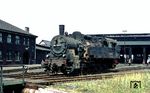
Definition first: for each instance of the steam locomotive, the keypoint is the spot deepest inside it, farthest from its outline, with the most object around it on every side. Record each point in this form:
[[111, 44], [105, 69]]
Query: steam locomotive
[[77, 53]]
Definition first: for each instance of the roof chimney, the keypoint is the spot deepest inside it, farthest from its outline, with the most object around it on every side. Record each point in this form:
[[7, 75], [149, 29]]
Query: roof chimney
[[61, 29], [27, 29]]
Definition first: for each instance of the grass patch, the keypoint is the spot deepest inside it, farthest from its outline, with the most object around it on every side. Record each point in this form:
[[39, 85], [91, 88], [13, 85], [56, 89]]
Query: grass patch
[[119, 84]]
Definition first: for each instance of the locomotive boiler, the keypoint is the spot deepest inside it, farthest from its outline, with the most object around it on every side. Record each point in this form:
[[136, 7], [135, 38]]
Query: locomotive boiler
[[76, 53]]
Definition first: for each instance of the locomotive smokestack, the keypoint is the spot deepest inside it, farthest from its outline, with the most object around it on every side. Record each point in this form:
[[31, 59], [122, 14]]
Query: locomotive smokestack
[[61, 29]]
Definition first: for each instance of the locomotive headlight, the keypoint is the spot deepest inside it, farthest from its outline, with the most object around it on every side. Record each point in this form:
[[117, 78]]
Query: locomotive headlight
[[47, 56], [64, 55]]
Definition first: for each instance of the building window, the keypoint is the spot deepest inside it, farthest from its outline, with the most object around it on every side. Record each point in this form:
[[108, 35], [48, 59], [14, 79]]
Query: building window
[[9, 38], [17, 55], [17, 40], [1, 37], [9, 55], [24, 41], [1, 55], [28, 42]]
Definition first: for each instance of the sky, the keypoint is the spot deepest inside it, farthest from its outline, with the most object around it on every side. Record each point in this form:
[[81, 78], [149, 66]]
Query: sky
[[43, 17]]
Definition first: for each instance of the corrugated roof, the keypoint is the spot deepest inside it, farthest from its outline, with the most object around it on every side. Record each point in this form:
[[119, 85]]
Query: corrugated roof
[[45, 43], [7, 26], [124, 35], [42, 48]]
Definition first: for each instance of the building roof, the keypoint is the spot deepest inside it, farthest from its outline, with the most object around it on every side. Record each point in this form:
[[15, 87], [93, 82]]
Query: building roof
[[9, 27], [42, 48], [124, 35], [45, 43], [129, 39]]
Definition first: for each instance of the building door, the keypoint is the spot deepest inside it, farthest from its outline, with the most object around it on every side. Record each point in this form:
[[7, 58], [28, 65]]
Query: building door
[[26, 57]]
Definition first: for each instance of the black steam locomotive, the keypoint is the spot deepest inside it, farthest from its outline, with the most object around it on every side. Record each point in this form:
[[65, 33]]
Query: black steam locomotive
[[77, 53]]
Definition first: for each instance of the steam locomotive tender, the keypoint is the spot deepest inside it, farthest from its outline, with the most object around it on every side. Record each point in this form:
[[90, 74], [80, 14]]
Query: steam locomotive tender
[[77, 53]]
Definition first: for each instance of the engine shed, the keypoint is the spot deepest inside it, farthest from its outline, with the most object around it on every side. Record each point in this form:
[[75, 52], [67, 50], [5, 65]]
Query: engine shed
[[132, 46]]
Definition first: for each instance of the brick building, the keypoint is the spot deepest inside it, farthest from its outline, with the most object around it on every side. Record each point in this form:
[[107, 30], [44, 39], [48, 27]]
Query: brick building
[[17, 46]]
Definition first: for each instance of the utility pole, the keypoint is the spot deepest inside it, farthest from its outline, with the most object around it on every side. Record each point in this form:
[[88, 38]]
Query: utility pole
[[1, 79], [124, 48]]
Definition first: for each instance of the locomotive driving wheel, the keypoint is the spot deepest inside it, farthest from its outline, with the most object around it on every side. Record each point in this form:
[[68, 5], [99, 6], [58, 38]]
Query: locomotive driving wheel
[[63, 69], [55, 69]]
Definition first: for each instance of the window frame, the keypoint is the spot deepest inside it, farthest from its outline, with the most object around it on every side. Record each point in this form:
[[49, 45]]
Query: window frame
[[17, 56], [1, 55], [28, 42], [17, 40], [1, 37], [24, 41], [9, 38], [9, 56]]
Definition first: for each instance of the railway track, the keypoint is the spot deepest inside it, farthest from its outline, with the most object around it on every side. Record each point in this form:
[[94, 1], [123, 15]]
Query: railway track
[[41, 78]]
